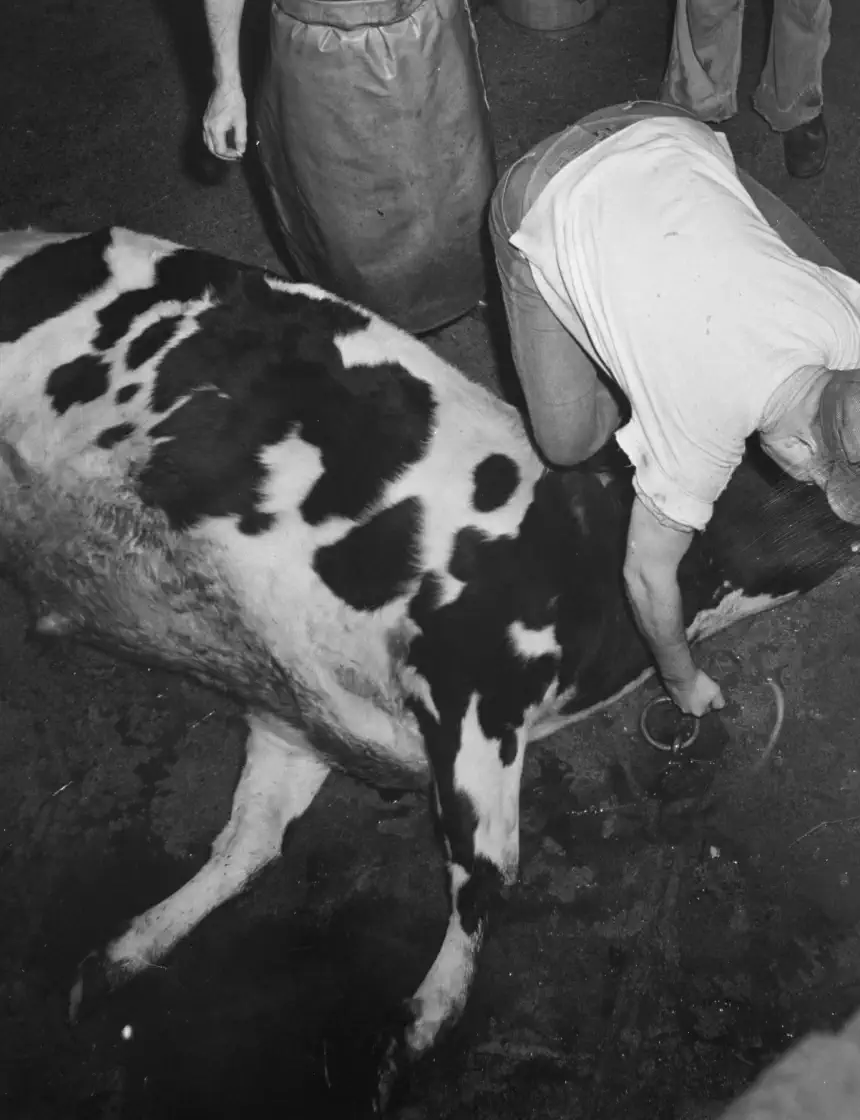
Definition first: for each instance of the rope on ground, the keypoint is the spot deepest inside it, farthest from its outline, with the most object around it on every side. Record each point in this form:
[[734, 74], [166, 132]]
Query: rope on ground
[[823, 824], [779, 698]]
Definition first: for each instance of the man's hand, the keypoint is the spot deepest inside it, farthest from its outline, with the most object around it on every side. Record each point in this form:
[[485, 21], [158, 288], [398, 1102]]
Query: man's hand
[[698, 695], [655, 548], [225, 122]]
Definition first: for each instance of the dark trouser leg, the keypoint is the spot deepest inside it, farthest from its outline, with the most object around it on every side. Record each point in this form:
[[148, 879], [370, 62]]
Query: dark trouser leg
[[790, 91], [790, 96], [705, 58]]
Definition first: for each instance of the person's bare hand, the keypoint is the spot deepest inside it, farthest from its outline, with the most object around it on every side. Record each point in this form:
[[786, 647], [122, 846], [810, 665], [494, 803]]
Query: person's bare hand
[[225, 122], [697, 695]]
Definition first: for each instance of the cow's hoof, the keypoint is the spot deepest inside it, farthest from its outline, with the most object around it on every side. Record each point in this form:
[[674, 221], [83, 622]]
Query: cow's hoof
[[95, 979]]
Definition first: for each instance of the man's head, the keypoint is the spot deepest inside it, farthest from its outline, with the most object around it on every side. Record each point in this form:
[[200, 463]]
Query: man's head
[[839, 426], [818, 440]]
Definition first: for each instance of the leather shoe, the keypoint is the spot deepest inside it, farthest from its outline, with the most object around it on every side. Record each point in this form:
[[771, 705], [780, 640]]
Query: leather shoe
[[805, 148]]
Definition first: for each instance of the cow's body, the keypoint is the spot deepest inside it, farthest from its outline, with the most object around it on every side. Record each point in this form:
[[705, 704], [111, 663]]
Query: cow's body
[[251, 481]]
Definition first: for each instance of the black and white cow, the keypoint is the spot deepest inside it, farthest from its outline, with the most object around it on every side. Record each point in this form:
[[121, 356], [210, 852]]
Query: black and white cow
[[251, 481]]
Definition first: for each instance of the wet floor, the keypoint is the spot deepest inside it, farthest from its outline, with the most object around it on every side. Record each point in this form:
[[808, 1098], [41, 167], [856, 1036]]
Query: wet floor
[[676, 925]]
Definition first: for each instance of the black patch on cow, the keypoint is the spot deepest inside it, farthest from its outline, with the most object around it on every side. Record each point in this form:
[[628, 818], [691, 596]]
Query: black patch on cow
[[463, 649], [500, 713], [181, 276], [375, 561], [495, 481], [110, 437], [255, 521], [78, 382], [466, 555], [426, 599], [385, 415], [548, 573], [124, 395], [457, 818], [258, 339], [477, 894], [584, 523], [263, 366], [150, 341], [50, 281], [508, 747]]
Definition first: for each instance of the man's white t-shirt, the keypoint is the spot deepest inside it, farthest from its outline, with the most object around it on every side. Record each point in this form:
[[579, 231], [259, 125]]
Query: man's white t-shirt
[[651, 253]]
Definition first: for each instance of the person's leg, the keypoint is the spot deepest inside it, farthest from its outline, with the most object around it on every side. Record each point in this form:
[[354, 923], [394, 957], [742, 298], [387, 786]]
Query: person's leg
[[790, 95], [705, 58], [571, 411]]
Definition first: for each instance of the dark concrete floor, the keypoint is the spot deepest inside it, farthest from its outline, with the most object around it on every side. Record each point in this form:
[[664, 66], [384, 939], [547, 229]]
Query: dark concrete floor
[[658, 951]]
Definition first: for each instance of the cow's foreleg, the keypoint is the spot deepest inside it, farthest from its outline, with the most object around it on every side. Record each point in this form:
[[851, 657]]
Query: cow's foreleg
[[280, 779], [477, 787]]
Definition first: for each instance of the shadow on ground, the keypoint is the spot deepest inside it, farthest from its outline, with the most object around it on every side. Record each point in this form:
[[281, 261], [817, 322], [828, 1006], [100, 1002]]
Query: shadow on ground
[[672, 932]]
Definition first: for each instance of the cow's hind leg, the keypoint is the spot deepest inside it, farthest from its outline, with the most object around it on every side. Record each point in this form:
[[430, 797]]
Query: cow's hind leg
[[477, 787], [280, 779]]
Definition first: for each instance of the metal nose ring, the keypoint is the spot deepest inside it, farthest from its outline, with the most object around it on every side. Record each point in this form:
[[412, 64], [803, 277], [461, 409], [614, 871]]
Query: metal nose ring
[[681, 739]]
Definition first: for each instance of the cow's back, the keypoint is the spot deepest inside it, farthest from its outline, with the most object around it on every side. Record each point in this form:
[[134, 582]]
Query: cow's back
[[214, 469]]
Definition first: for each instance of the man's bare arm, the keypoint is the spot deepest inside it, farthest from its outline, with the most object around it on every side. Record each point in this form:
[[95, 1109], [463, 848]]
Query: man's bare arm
[[225, 123], [224, 20], [654, 551]]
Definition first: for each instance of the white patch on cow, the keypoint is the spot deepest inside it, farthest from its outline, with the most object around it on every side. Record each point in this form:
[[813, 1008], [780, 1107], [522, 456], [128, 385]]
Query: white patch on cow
[[294, 467], [130, 245], [281, 777], [381, 343], [730, 610], [530, 644], [25, 364], [442, 995], [130, 267], [494, 791], [339, 658], [415, 685], [468, 416], [450, 588], [311, 291]]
